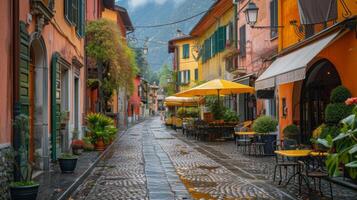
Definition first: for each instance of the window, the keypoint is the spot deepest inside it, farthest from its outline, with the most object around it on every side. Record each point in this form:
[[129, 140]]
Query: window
[[273, 18], [74, 13], [229, 33], [184, 77], [196, 74], [242, 41], [185, 51]]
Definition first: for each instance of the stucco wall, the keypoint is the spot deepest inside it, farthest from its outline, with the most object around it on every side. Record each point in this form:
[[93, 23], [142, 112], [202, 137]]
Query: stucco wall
[[259, 43], [215, 67], [5, 72], [59, 36], [187, 63], [288, 10]]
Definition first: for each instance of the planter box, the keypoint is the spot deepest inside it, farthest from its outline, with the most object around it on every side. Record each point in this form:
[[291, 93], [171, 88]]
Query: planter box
[[268, 140], [24, 192], [67, 165]]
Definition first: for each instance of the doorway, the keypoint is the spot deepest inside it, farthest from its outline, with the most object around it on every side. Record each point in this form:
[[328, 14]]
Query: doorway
[[321, 79], [38, 109]]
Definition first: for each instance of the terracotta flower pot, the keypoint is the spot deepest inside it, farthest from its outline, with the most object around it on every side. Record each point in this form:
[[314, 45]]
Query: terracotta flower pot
[[100, 145]]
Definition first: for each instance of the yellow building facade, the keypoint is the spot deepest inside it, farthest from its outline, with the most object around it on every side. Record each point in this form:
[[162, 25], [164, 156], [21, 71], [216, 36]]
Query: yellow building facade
[[214, 36], [185, 61]]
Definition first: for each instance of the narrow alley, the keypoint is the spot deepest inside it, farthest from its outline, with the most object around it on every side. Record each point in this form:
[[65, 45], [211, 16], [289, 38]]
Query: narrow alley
[[151, 161]]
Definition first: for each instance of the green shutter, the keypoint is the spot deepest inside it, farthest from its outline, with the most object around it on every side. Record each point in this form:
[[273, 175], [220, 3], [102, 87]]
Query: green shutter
[[196, 74], [222, 38], [55, 106], [185, 51], [68, 10], [188, 50], [214, 44], [24, 71], [81, 18], [189, 76]]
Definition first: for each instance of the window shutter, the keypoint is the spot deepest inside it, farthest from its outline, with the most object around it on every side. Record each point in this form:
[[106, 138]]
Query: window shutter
[[273, 18], [75, 12], [67, 10], [24, 71], [242, 41], [222, 38], [214, 37], [188, 76], [183, 51], [55, 106], [196, 74], [81, 18]]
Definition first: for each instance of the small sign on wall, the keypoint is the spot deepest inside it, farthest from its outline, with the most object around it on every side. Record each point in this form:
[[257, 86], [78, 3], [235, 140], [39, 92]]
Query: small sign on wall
[[284, 108]]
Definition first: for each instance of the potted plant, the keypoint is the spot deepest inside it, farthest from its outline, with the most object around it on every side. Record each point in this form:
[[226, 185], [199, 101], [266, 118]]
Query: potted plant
[[67, 162], [77, 146], [101, 130], [266, 127], [24, 187], [64, 118], [87, 144], [343, 147]]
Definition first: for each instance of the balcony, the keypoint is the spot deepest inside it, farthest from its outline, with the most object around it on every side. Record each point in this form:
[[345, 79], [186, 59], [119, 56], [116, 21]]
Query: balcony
[[43, 10]]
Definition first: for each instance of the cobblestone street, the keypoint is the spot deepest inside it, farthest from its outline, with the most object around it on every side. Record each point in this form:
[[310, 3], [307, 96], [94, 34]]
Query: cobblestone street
[[151, 161]]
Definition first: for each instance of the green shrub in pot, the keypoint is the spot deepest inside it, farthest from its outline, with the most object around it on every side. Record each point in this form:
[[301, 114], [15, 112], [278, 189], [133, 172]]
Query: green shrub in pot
[[265, 124]]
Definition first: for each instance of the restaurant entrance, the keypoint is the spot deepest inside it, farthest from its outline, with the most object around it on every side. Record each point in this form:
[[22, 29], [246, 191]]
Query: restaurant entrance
[[320, 80]]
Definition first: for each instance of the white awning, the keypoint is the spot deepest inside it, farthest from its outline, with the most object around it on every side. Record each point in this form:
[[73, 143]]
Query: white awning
[[291, 67]]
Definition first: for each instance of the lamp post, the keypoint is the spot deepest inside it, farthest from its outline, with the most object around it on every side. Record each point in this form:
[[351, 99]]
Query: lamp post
[[251, 16]]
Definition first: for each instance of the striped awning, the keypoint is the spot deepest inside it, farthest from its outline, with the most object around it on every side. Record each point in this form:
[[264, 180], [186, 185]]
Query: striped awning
[[291, 67]]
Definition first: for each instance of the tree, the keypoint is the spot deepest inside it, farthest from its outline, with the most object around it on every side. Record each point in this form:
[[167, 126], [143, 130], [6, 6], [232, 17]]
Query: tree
[[167, 74], [115, 61]]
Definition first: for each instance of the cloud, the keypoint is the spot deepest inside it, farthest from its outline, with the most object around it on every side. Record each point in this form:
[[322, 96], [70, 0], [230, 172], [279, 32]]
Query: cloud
[[133, 4]]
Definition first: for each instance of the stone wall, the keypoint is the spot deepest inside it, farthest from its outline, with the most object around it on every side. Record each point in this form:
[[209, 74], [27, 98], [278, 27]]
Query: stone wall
[[6, 170]]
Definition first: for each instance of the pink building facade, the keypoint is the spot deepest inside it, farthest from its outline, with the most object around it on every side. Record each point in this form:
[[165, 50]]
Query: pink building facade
[[256, 50]]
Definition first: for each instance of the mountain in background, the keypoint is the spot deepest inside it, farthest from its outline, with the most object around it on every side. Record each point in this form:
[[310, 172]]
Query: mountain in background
[[159, 12]]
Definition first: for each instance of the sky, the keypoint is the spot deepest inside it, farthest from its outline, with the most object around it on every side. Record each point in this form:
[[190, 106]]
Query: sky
[[134, 4]]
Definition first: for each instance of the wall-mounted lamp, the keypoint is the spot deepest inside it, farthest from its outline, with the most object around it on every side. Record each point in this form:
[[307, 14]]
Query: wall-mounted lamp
[[251, 16]]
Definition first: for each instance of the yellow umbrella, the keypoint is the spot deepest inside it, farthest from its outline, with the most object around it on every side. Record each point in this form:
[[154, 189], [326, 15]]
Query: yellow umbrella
[[181, 101], [216, 87]]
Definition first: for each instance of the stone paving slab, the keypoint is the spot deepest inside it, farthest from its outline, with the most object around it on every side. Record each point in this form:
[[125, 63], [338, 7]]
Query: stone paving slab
[[152, 161], [54, 183]]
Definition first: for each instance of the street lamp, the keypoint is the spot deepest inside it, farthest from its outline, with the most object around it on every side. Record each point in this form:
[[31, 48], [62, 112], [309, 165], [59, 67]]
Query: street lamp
[[251, 14]]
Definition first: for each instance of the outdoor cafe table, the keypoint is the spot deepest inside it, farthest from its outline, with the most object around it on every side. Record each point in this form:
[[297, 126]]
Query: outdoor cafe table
[[302, 155]]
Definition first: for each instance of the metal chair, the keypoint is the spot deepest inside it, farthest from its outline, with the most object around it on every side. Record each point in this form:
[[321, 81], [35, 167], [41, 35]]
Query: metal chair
[[315, 169], [281, 162]]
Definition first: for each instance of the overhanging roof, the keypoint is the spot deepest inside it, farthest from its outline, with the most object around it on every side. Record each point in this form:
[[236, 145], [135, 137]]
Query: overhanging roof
[[216, 10], [291, 67], [124, 15]]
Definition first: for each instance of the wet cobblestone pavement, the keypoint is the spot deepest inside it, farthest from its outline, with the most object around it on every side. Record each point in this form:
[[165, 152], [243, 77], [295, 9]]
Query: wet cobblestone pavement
[[154, 162]]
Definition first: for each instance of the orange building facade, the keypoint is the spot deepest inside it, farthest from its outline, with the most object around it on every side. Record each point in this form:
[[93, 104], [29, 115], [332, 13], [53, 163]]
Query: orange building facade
[[51, 73], [313, 59]]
